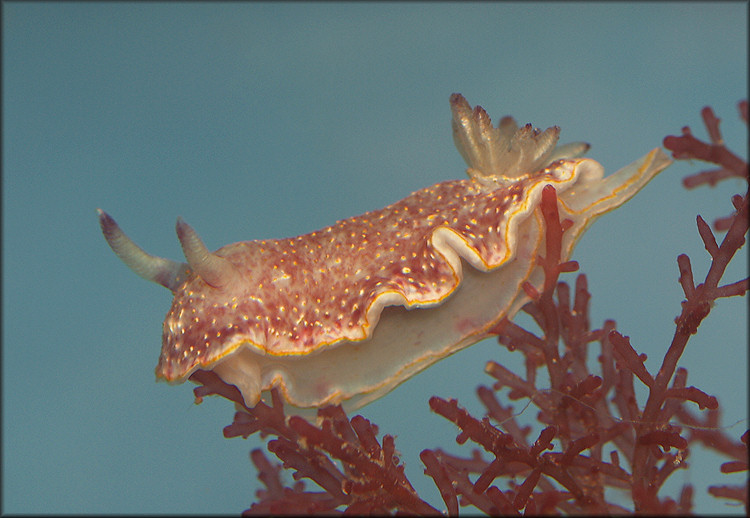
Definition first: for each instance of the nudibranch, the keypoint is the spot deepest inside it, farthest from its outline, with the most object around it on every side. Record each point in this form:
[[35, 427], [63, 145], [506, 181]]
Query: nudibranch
[[346, 313]]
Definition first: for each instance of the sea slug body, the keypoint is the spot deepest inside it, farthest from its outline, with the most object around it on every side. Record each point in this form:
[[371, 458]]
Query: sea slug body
[[346, 313]]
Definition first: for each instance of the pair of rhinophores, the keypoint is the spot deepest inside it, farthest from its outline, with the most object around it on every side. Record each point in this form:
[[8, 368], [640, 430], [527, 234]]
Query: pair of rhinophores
[[346, 313]]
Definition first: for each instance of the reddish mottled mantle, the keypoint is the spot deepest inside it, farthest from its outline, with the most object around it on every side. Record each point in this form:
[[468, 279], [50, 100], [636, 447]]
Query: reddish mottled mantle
[[302, 293]]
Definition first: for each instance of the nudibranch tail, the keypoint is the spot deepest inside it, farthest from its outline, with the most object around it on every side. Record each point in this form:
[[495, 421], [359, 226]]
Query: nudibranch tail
[[169, 274], [215, 270], [594, 195]]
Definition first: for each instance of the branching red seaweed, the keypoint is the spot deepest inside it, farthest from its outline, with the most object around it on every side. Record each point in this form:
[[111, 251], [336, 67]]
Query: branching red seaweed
[[342, 456], [687, 147]]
